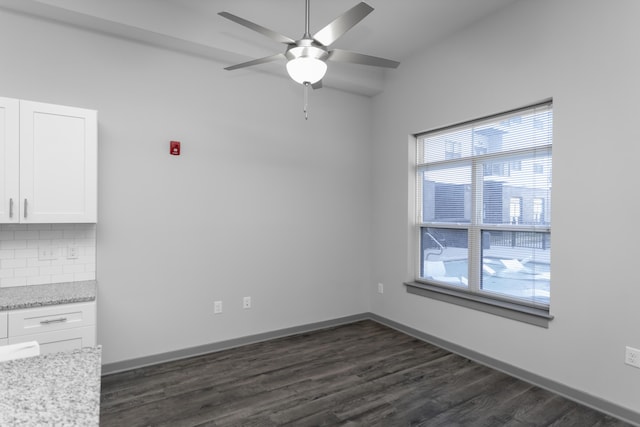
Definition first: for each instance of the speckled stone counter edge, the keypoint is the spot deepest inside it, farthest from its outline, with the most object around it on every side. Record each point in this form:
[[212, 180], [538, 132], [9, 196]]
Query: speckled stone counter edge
[[19, 297], [52, 389]]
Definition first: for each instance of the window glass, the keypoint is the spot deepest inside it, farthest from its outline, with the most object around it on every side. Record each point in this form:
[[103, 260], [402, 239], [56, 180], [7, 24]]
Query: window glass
[[446, 194], [484, 205], [445, 255], [516, 264]]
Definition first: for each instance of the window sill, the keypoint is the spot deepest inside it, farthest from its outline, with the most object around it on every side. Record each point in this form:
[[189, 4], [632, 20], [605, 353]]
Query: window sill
[[510, 310]]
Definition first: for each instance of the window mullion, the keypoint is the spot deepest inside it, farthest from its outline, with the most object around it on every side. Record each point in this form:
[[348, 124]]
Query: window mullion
[[474, 254]]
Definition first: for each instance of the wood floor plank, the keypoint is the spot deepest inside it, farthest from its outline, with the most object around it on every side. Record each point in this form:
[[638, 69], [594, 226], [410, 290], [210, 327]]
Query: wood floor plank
[[361, 374]]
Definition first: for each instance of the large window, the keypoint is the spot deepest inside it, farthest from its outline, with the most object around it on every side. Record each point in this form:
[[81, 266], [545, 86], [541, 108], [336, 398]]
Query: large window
[[484, 214]]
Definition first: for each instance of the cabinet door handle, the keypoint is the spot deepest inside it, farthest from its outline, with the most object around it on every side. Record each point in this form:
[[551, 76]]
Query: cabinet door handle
[[10, 208], [25, 208], [58, 320]]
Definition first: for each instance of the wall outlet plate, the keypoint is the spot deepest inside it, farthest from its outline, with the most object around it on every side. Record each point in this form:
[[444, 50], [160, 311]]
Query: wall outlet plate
[[47, 253], [217, 307], [246, 302], [72, 252], [632, 357]]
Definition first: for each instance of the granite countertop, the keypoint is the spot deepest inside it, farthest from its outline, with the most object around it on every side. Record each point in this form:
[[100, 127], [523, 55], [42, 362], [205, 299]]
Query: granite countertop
[[52, 389], [18, 297]]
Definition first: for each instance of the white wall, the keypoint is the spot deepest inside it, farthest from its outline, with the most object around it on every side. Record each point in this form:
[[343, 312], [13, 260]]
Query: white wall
[[261, 203], [584, 55]]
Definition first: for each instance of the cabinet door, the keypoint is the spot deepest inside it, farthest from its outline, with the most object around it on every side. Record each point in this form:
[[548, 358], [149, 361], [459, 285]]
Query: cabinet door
[[3, 325], [64, 340], [58, 163], [9, 160]]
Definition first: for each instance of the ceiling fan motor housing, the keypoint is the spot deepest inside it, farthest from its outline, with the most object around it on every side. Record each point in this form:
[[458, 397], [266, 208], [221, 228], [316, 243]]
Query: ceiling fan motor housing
[[306, 48]]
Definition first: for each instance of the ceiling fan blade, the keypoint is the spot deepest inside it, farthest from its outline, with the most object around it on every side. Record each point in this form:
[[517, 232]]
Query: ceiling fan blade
[[259, 28], [340, 55], [317, 85], [257, 61], [342, 24]]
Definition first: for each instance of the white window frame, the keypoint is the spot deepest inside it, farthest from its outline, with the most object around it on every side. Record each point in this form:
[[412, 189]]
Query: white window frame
[[472, 296]]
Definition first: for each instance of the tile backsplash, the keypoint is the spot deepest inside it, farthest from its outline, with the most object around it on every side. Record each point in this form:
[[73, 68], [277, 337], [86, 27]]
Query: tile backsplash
[[35, 254]]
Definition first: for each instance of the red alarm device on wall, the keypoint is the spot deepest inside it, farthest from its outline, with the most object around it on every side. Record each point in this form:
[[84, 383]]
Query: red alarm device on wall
[[174, 148]]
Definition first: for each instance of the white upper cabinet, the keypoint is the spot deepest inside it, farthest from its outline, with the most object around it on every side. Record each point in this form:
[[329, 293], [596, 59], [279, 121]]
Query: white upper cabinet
[[53, 178], [10, 160]]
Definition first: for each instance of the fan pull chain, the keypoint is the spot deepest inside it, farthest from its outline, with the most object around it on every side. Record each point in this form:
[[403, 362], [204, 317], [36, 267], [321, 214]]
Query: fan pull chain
[[306, 100]]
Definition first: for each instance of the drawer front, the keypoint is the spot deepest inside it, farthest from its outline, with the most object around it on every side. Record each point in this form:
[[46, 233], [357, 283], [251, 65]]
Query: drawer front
[[3, 325], [52, 318], [64, 340]]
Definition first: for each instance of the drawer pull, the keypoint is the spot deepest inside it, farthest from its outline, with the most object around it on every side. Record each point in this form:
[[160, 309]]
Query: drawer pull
[[58, 320]]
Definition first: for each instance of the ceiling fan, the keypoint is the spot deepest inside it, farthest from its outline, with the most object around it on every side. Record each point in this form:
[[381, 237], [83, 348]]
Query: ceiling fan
[[307, 57]]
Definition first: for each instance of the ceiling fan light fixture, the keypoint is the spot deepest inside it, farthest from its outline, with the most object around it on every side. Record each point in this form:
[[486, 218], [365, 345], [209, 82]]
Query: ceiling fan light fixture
[[306, 69]]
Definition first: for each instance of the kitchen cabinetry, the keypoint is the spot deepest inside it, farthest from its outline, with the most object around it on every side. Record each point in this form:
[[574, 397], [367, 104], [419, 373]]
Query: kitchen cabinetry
[[3, 328], [56, 328], [49, 172]]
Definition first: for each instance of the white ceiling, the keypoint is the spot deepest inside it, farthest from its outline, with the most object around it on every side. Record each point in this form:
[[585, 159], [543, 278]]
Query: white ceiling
[[394, 30]]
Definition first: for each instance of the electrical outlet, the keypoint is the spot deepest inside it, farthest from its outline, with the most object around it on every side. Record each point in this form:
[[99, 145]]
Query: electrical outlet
[[217, 307], [246, 302], [632, 357], [47, 253], [72, 252], [380, 288]]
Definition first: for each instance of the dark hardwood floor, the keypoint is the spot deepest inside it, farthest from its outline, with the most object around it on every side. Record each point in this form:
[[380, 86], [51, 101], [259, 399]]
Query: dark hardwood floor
[[361, 374]]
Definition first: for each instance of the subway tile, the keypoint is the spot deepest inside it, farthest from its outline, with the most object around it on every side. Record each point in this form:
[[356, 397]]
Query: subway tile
[[35, 244], [13, 227], [84, 259], [73, 234], [38, 280], [65, 226], [62, 243], [35, 262], [26, 253], [13, 281], [6, 272], [78, 277], [7, 253], [39, 227], [58, 278], [13, 244], [27, 235], [73, 268], [13, 263], [26, 272], [51, 270], [61, 260], [7, 235], [51, 234], [89, 251]]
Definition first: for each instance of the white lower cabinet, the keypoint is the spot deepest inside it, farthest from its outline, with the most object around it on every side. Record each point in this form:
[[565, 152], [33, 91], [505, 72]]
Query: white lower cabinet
[[56, 328], [3, 326], [63, 340]]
